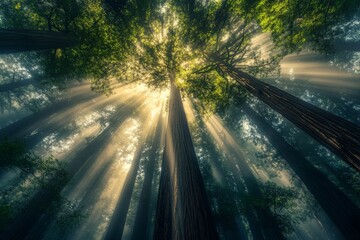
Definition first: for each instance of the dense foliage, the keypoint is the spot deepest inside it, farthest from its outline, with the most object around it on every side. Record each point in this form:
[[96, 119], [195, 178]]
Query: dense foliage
[[118, 39]]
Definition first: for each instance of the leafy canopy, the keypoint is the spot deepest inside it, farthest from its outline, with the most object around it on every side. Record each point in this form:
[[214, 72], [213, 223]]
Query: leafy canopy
[[188, 40]]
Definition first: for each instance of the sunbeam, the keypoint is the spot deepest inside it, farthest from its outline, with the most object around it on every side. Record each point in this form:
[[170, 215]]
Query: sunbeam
[[182, 119]]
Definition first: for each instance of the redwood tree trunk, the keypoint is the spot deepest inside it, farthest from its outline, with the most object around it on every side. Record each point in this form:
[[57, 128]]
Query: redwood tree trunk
[[336, 204], [117, 223], [12, 41], [262, 222], [141, 224], [340, 136], [231, 229], [183, 209]]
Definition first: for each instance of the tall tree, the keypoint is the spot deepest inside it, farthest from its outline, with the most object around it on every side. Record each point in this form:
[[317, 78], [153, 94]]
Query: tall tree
[[340, 209], [229, 51], [219, 38], [221, 189], [98, 44], [339, 135], [262, 222], [25, 220], [141, 225], [117, 223], [183, 210]]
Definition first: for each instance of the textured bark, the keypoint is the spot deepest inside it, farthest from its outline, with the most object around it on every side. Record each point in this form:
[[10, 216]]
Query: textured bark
[[12, 41], [344, 213], [141, 224], [340, 136], [183, 210]]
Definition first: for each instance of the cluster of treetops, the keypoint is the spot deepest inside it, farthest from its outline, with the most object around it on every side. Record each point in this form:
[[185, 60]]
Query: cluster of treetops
[[206, 46]]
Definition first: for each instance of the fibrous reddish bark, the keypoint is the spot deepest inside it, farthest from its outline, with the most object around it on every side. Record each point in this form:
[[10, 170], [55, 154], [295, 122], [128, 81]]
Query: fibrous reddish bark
[[183, 210], [337, 134]]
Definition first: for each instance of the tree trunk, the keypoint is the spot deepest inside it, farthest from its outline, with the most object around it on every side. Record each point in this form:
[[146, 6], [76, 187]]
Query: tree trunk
[[117, 223], [19, 129], [183, 209], [12, 41], [340, 136], [34, 209], [231, 228], [141, 224], [336, 204], [262, 223]]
